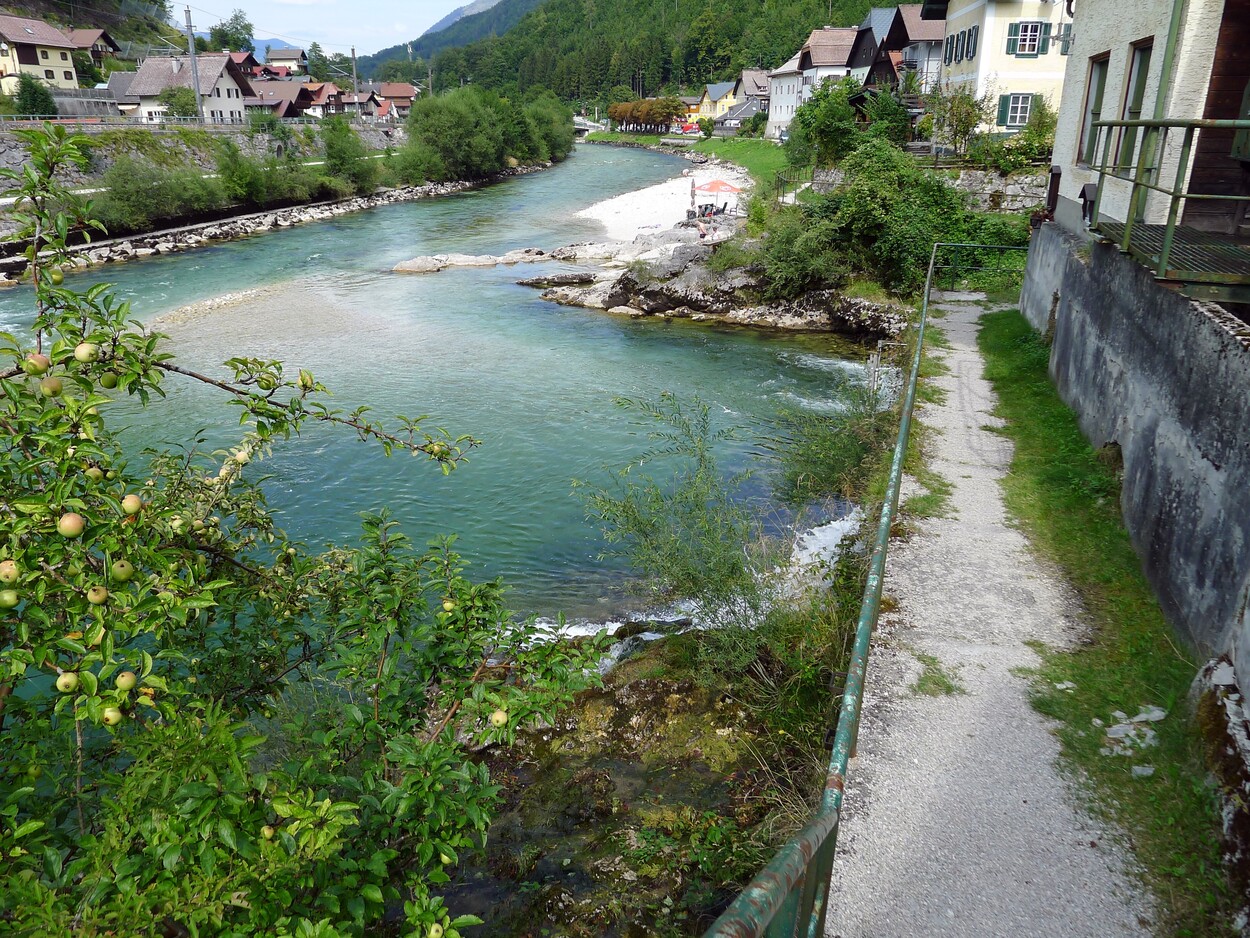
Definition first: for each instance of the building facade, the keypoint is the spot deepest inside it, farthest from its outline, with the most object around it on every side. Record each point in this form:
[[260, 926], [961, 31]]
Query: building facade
[[223, 87], [825, 57], [1015, 53], [785, 94], [36, 49]]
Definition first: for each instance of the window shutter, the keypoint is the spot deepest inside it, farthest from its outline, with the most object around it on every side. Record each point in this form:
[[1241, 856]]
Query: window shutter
[[1013, 38], [1043, 45], [1065, 38], [973, 33], [1004, 109], [950, 49]]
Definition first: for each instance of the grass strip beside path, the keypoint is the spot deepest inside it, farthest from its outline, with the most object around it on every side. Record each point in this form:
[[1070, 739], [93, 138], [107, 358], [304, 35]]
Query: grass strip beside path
[[761, 158], [1067, 500]]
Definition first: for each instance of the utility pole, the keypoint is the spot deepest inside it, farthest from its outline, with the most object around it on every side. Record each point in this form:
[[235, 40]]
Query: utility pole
[[195, 72], [355, 82]]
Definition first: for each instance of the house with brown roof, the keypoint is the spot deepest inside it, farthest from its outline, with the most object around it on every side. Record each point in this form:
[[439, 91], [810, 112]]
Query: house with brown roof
[[825, 57], [247, 62], [95, 42], [327, 99], [281, 98], [364, 104], [223, 86], [37, 49], [401, 94], [912, 44], [293, 59], [785, 94]]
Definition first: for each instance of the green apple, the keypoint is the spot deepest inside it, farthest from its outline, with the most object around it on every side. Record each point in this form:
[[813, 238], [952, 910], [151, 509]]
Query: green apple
[[94, 473], [56, 277], [436, 930], [108, 380], [71, 524], [9, 571], [36, 364], [67, 682], [51, 387], [122, 570], [132, 504], [112, 716], [8, 599], [267, 832], [449, 605], [499, 719], [85, 352], [126, 680], [98, 595]]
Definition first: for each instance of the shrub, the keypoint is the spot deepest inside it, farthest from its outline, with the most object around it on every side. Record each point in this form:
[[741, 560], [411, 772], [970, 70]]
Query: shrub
[[139, 195], [707, 127], [346, 156], [180, 102], [34, 98]]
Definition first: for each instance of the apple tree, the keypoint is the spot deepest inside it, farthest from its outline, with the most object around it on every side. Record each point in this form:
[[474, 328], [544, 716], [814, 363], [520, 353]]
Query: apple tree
[[207, 728]]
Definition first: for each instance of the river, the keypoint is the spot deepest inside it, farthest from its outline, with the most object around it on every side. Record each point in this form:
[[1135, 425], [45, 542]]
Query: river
[[536, 382]]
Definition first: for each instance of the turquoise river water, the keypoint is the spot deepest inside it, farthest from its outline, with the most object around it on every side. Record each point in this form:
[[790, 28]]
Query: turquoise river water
[[536, 382]]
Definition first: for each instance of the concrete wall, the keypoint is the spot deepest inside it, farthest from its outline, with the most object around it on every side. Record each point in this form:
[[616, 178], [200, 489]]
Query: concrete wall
[[1169, 381]]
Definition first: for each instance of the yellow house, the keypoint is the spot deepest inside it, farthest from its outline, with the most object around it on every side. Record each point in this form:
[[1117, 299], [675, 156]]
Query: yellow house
[[717, 99], [39, 50]]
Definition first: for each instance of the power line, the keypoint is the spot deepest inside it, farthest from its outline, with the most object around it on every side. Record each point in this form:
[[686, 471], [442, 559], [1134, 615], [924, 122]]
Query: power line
[[275, 35]]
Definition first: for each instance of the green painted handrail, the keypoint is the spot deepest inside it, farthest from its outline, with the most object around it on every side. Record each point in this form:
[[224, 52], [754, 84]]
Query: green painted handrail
[[789, 896]]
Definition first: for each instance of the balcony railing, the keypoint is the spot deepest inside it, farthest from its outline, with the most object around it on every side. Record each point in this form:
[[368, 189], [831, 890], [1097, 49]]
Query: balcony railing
[[1203, 264]]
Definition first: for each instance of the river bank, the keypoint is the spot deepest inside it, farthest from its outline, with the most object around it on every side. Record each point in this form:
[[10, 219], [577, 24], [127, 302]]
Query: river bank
[[187, 237]]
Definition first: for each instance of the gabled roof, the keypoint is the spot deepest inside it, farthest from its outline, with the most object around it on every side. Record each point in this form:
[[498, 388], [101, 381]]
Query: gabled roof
[[385, 108], [908, 27], [174, 71], [322, 91], [273, 71], [18, 29], [86, 38], [397, 89], [878, 20], [829, 46], [753, 82], [285, 55], [245, 60], [691, 100], [361, 98], [718, 90], [789, 67], [119, 84], [740, 112]]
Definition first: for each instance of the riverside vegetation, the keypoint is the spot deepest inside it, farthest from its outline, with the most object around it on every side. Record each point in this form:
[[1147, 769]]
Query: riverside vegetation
[[464, 135]]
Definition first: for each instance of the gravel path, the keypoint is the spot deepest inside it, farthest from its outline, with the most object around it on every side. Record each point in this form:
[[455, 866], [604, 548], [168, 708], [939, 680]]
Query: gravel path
[[956, 820]]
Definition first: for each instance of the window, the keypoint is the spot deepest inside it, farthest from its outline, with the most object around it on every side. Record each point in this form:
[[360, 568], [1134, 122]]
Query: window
[[69, 76], [1135, 93], [43, 53], [1014, 109], [49, 74], [949, 53], [961, 45], [1093, 108], [216, 92], [64, 57], [1028, 39], [971, 51]]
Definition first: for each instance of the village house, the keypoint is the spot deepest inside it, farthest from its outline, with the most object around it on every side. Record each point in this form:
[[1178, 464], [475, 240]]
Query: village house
[[872, 33], [785, 94], [825, 57], [223, 86], [691, 101], [327, 99], [95, 42], [1015, 53], [284, 99], [247, 62], [400, 95], [716, 99], [750, 94], [911, 45], [37, 49], [295, 60], [364, 104]]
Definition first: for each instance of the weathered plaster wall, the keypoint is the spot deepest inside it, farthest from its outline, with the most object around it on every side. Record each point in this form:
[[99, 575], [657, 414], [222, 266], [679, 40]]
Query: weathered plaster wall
[[1169, 381]]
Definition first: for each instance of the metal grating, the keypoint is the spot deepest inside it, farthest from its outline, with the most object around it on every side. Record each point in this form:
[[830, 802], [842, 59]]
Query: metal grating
[[1196, 256]]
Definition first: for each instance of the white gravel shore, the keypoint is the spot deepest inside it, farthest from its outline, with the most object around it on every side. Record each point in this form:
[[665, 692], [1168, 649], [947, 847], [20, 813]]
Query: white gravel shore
[[664, 205]]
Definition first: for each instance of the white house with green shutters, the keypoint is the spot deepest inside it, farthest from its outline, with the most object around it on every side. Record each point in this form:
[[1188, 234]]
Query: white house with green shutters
[[1014, 52]]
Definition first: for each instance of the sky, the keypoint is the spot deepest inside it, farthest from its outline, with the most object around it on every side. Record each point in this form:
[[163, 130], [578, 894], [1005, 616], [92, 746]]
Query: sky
[[336, 24]]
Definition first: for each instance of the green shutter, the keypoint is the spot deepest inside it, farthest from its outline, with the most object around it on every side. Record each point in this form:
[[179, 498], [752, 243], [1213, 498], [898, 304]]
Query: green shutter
[[973, 33], [1065, 38], [1044, 45], [950, 49], [1013, 38], [1004, 109]]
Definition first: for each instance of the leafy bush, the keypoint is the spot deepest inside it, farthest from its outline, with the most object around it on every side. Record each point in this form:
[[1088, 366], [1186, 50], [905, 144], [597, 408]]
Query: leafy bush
[[828, 121], [180, 102], [215, 730], [707, 127], [34, 98], [139, 195], [346, 156], [800, 254], [754, 125]]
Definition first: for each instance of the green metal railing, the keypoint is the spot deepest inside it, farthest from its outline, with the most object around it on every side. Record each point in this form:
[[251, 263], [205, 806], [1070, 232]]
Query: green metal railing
[[789, 896], [1136, 158], [792, 178]]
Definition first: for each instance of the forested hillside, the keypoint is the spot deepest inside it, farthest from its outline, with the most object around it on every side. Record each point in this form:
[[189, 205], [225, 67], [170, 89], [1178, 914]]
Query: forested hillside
[[582, 48], [496, 20]]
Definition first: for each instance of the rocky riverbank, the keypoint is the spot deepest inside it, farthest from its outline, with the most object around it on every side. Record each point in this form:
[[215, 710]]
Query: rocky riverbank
[[175, 240]]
